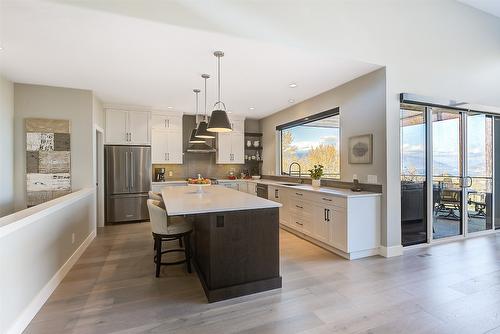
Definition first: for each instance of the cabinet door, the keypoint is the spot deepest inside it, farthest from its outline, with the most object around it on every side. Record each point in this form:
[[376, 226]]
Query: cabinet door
[[238, 126], [238, 147], [138, 126], [159, 121], [224, 154], [159, 140], [116, 127], [174, 147], [322, 223], [252, 189], [242, 186], [338, 230]]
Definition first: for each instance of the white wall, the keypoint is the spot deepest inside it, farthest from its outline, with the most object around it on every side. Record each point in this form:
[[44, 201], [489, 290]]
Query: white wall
[[439, 48], [362, 110], [6, 146], [56, 103], [36, 252]]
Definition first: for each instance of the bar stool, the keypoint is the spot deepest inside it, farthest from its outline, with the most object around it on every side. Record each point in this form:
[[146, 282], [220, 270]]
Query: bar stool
[[155, 196], [158, 197], [169, 228]]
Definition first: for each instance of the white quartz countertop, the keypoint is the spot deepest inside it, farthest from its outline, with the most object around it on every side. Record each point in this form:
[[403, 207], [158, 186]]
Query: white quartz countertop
[[169, 182], [342, 192], [187, 201]]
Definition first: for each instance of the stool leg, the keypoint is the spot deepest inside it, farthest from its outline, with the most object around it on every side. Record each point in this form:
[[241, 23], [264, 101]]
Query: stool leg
[[158, 256], [187, 252]]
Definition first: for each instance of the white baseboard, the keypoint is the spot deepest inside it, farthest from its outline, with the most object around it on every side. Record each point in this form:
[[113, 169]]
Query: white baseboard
[[36, 304], [391, 251]]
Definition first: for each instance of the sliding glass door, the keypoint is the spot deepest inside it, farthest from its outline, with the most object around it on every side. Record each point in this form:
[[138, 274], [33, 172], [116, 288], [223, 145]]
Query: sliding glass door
[[447, 173], [479, 164]]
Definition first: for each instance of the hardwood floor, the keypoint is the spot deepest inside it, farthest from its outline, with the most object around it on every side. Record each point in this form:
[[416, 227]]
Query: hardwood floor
[[449, 288]]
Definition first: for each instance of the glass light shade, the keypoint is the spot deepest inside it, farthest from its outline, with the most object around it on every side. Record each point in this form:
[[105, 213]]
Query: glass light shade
[[219, 122], [202, 132], [194, 140]]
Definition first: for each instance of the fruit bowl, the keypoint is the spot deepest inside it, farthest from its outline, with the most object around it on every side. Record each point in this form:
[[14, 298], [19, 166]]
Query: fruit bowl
[[199, 182]]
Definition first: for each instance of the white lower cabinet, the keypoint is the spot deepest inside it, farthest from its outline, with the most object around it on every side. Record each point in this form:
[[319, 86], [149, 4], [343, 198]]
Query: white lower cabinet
[[252, 188], [348, 226]]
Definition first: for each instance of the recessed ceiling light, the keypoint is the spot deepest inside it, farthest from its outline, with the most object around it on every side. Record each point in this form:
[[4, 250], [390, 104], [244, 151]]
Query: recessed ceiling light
[[251, 108], [291, 101], [170, 107], [292, 85]]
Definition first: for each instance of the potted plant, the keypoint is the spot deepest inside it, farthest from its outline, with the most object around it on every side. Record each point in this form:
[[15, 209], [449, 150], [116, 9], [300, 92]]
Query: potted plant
[[316, 173]]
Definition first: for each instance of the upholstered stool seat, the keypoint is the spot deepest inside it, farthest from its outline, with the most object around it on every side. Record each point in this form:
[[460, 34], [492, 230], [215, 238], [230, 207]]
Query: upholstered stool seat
[[166, 228]]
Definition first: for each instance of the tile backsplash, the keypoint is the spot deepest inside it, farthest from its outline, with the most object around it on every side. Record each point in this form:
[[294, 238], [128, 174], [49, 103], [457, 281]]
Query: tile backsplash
[[198, 163]]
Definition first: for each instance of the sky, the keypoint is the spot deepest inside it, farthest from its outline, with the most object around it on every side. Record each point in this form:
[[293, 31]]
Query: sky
[[306, 137], [446, 146]]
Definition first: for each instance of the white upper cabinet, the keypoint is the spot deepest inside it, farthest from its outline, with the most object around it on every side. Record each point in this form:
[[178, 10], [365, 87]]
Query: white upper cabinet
[[116, 127], [231, 145], [166, 121], [138, 127], [166, 138], [125, 127]]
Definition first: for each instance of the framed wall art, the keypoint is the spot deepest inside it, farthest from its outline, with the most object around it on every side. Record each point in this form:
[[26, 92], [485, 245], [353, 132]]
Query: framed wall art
[[361, 149], [48, 160]]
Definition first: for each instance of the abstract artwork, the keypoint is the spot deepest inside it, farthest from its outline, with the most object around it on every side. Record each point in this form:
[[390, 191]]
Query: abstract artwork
[[48, 160], [361, 149]]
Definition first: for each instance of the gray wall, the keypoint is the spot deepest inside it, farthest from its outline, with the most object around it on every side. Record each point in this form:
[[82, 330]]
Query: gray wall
[[30, 257], [75, 105], [204, 163], [362, 110], [362, 104], [6, 147]]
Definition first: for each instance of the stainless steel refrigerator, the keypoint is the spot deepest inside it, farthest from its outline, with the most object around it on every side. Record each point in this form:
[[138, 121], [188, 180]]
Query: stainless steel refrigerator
[[128, 180]]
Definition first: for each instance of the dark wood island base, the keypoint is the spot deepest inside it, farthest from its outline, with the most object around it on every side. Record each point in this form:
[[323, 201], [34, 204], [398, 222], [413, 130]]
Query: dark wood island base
[[236, 253]]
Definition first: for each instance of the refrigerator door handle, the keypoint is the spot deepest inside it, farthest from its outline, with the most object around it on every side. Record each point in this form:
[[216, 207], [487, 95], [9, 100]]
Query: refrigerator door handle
[[132, 170], [126, 171]]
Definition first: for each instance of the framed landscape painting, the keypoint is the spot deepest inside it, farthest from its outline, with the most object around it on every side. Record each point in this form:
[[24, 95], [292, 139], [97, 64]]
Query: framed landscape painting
[[361, 149]]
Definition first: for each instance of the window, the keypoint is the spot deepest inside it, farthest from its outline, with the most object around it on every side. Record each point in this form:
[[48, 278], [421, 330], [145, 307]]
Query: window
[[311, 141]]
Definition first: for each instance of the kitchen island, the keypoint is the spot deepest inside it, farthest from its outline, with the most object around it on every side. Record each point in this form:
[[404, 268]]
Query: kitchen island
[[235, 239]]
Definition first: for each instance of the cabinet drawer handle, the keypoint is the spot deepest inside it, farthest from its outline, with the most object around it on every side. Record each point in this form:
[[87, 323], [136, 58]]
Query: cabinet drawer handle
[[299, 223], [298, 194], [300, 207], [327, 199], [327, 215]]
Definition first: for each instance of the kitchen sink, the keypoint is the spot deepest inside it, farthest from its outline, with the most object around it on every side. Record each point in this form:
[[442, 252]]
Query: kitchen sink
[[290, 184]]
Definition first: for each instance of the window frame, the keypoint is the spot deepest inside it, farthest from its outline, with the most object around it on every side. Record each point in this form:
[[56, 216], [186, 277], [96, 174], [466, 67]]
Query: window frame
[[306, 120]]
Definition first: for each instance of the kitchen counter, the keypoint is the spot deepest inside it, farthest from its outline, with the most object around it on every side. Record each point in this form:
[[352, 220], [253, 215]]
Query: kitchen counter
[[236, 238], [187, 201], [166, 183], [342, 192]]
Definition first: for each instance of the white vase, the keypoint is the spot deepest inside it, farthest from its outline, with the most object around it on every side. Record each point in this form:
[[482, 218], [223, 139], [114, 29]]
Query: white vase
[[316, 183]]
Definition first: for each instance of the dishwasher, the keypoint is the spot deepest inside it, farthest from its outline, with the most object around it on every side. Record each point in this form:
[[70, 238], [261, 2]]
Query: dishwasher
[[261, 190]]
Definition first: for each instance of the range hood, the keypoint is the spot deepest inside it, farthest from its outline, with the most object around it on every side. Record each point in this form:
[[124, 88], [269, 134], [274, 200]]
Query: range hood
[[200, 148]]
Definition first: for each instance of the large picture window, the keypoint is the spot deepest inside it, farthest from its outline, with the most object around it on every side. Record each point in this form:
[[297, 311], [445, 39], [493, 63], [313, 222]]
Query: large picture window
[[311, 141]]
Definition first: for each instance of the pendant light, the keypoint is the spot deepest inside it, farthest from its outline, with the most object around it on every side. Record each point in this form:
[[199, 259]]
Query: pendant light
[[202, 132], [219, 122], [193, 139]]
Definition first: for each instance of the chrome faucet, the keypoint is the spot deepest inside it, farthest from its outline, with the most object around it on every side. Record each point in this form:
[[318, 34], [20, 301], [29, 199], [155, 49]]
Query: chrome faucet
[[290, 170]]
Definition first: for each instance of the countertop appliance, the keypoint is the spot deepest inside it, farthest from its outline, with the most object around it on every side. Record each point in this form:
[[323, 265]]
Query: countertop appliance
[[159, 174], [262, 190], [128, 180]]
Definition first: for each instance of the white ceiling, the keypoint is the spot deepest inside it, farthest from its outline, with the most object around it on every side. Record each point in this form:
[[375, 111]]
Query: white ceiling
[[488, 6], [131, 61]]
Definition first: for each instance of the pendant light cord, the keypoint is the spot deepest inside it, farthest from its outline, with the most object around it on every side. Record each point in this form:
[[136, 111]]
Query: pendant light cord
[[205, 98], [218, 78]]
